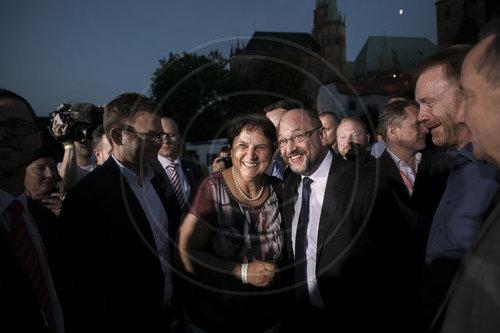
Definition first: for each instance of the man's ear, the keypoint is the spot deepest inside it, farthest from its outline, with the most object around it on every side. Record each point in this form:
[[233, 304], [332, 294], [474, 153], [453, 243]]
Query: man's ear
[[323, 136], [392, 132], [116, 136]]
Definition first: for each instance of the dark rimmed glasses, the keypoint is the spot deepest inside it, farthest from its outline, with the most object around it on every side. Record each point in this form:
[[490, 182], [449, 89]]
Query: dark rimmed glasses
[[149, 137], [297, 137], [17, 127]]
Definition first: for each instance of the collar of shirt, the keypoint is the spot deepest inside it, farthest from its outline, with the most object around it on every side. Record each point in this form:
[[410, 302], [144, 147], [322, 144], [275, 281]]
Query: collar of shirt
[[6, 199], [130, 176], [320, 176], [465, 152], [165, 162], [402, 164]]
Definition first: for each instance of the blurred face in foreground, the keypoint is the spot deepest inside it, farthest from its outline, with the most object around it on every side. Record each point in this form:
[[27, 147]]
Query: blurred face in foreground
[[480, 110]]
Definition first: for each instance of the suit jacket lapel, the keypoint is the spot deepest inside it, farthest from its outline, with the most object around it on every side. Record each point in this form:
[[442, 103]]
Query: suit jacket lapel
[[333, 193], [188, 173], [391, 169]]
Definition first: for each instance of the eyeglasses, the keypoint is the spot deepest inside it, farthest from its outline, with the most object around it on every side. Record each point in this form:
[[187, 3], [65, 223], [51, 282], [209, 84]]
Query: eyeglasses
[[297, 137], [149, 137], [171, 135], [17, 127]]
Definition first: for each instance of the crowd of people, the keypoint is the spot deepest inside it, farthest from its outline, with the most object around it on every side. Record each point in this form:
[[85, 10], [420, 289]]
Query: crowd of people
[[302, 225]]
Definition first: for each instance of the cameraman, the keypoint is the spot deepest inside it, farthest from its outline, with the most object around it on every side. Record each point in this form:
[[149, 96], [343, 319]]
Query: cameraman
[[75, 132], [77, 159], [223, 161]]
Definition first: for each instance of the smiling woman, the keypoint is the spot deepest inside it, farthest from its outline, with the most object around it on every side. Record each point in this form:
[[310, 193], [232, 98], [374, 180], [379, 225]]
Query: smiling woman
[[231, 241]]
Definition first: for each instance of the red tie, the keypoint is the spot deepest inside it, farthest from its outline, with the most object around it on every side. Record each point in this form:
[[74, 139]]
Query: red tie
[[179, 193], [23, 246]]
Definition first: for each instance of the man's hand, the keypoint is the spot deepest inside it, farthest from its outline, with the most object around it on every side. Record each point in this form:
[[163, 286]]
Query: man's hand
[[53, 202], [61, 130], [218, 164]]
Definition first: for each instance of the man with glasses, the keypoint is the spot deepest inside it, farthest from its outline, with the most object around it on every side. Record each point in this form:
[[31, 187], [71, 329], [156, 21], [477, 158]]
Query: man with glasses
[[28, 300], [182, 175], [115, 229], [340, 231]]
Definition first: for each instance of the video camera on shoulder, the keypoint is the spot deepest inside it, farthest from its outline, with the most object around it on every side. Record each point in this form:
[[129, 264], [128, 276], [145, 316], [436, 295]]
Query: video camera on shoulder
[[81, 118]]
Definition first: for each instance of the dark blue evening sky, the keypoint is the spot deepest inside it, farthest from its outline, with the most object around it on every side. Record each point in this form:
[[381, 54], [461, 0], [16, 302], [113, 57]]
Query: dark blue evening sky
[[57, 52]]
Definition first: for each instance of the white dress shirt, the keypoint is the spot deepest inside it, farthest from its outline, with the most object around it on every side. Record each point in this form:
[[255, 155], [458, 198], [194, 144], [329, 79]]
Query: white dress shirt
[[318, 187], [165, 162], [157, 217], [6, 216], [406, 169]]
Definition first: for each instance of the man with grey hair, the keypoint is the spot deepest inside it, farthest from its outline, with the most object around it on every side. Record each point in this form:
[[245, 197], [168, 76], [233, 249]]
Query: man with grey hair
[[404, 161], [417, 179], [339, 225]]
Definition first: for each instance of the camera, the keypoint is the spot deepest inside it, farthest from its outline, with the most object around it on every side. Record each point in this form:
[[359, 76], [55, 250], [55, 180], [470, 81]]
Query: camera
[[81, 119], [227, 162]]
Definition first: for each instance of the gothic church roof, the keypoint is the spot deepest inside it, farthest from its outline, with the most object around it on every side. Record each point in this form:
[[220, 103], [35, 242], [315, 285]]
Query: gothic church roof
[[278, 41], [383, 53]]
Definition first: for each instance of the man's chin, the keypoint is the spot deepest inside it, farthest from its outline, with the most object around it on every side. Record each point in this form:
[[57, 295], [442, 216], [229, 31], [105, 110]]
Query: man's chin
[[299, 168]]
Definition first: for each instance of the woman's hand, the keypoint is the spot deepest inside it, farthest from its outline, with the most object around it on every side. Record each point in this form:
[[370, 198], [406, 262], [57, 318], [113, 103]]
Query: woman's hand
[[260, 273]]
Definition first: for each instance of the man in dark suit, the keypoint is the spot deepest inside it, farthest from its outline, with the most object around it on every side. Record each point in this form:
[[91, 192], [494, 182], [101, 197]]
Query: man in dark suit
[[28, 299], [114, 226], [182, 175], [472, 303], [417, 179], [347, 247]]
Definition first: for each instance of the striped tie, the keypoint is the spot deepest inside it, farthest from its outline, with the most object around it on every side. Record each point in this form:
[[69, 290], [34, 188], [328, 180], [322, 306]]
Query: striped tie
[[23, 246], [176, 182]]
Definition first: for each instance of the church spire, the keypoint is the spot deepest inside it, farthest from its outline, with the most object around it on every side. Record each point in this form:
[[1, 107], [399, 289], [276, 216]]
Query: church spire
[[333, 13]]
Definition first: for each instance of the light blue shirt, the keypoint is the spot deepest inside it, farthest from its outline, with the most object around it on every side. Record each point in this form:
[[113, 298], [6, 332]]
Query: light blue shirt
[[469, 190], [377, 149]]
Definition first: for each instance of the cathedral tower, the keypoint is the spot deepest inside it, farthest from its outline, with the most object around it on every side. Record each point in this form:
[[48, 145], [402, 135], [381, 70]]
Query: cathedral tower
[[329, 32]]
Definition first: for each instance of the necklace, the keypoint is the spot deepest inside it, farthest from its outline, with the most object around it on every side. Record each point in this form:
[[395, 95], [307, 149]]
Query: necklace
[[243, 193]]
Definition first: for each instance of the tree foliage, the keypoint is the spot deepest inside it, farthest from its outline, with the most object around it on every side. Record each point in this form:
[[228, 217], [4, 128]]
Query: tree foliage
[[202, 95]]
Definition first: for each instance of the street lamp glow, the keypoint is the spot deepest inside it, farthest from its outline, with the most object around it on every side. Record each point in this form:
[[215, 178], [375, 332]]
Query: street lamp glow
[[400, 12]]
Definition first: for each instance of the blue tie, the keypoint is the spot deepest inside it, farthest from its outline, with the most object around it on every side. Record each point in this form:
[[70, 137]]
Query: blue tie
[[301, 243]]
